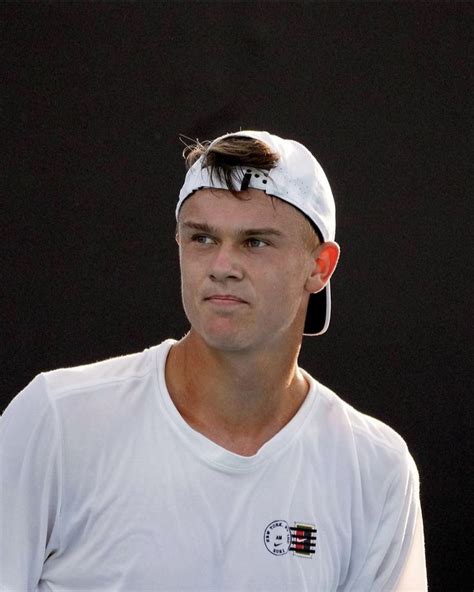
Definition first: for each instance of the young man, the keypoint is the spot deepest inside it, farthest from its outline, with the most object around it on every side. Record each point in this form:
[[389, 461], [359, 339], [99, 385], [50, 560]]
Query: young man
[[215, 463]]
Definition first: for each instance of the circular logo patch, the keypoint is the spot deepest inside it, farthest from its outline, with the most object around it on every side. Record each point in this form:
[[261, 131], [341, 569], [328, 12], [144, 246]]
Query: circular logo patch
[[277, 537]]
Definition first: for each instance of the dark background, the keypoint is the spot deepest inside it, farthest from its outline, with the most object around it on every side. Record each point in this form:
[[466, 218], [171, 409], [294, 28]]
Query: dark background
[[93, 97]]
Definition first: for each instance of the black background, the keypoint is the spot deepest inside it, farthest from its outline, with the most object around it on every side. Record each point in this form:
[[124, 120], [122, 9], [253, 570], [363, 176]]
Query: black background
[[93, 98]]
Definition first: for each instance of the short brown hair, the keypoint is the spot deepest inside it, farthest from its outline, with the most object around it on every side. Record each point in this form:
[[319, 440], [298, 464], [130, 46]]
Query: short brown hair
[[226, 156]]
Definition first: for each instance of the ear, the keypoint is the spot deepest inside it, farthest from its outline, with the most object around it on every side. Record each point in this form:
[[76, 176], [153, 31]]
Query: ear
[[326, 257]]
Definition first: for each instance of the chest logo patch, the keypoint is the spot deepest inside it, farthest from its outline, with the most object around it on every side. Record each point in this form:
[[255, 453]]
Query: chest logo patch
[[303, 539], [277, 537], [280, 538]]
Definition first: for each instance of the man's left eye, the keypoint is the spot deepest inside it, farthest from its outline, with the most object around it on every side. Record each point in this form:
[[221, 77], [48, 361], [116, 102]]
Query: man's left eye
[[256, 243]]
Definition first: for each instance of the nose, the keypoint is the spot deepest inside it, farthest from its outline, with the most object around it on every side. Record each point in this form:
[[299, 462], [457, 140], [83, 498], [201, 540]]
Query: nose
[[225, 265]]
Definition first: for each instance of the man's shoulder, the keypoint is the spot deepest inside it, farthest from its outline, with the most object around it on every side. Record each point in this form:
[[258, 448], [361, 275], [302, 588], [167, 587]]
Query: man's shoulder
[[100, 374], [359, 443], [363, 430], [83, 402], [79, 391]]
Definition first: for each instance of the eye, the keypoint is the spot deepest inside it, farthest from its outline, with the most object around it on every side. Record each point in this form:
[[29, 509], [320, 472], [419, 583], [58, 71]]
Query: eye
[[256, 243], [202, 239]]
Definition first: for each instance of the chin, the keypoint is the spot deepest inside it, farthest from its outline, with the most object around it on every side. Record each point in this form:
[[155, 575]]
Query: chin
[[226, 339], [227, 342]]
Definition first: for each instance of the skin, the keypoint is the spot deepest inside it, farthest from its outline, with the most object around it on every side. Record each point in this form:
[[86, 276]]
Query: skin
[[248, 267]]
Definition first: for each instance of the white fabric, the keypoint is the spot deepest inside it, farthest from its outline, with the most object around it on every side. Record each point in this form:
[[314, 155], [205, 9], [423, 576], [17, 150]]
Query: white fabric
[[105, 487]]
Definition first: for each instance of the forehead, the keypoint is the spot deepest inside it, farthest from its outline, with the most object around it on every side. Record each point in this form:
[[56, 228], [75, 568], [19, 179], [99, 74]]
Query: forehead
[[252, 207]]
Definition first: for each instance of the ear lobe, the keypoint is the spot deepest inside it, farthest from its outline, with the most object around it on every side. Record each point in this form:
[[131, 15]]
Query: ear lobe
[[325, 262]]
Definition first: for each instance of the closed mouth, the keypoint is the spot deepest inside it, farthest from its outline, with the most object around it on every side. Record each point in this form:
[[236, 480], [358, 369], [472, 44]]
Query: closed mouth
[[229, 298]]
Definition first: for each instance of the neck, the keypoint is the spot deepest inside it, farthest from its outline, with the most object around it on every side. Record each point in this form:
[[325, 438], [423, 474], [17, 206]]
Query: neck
[[237, 399]]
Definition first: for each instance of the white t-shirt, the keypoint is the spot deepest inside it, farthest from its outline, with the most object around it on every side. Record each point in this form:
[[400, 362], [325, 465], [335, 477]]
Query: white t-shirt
[[104, 486]]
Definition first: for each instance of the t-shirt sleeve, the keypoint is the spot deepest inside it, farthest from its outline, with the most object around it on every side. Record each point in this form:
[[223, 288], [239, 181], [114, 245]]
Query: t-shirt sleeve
[[29, 487], [413, 577], [396, 558]]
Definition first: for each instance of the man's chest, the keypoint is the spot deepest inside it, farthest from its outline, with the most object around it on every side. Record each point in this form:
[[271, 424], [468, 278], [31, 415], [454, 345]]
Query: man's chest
[[162, 524]]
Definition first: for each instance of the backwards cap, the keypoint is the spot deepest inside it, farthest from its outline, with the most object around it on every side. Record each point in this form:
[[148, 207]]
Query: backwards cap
[[298, 179]]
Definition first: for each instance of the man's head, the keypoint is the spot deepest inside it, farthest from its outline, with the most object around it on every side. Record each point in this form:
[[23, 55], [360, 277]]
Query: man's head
[[252, 181]]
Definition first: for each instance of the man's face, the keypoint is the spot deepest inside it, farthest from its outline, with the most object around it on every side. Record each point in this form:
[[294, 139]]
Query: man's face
[[244, 268]]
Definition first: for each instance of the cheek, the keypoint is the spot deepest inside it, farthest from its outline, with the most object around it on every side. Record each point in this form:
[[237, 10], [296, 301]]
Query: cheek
[[188, 294], [188, 278], [289, 273], [189, 265], [280, 289]]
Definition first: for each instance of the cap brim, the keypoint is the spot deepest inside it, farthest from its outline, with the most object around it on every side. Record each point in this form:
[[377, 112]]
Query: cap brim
[[318, 314]]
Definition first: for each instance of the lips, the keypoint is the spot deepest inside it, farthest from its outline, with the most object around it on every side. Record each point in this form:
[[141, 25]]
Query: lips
[[223, 298]]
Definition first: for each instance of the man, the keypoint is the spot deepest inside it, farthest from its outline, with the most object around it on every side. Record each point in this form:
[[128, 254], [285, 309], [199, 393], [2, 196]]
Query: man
[[215, 463]]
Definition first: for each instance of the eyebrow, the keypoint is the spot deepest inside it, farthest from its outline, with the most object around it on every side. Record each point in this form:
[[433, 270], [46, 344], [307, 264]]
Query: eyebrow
[[203, 227]]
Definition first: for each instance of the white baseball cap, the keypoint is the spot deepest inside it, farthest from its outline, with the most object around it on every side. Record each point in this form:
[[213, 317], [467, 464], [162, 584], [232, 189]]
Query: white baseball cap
[[298, 179]]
